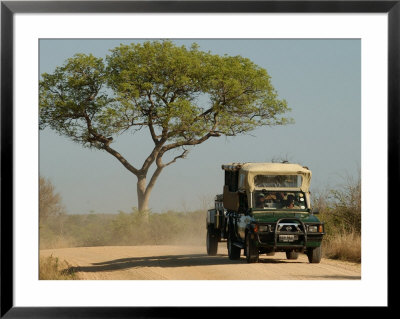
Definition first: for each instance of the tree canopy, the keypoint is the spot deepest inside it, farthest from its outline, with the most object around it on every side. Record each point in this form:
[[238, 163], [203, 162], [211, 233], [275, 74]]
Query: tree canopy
[[182, 96]]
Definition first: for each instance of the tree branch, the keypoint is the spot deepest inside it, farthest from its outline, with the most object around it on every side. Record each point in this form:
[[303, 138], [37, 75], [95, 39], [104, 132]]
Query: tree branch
[[191, 142], [151, 128], [186, 143], [122, 160], [160, 167], [183, 155], [153, 179], [151, 158], [105, 145], [150, 119]]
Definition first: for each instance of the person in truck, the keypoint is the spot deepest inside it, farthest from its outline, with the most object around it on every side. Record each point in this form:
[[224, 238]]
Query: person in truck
[[260, 200], [290, 201]]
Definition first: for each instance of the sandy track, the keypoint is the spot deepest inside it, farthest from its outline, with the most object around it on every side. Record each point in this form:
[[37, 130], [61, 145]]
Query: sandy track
[[192, 263]]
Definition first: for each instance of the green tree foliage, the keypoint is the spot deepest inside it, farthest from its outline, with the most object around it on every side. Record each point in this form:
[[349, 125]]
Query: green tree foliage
[[182, 96]]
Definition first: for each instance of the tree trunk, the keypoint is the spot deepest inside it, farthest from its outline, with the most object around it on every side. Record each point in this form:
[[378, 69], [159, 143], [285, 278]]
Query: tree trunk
[[143, 197]]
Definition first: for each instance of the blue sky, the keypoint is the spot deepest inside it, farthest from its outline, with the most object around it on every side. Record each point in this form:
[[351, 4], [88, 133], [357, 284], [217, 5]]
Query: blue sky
[[319, 78]]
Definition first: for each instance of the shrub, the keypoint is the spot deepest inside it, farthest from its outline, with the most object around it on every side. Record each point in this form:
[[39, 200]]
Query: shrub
[[126, 229], [343, 246], [340, 209], [49, 202], [51, 269]]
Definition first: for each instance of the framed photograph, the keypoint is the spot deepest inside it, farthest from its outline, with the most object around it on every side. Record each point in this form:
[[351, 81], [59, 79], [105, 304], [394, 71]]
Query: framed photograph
[[333, 66]]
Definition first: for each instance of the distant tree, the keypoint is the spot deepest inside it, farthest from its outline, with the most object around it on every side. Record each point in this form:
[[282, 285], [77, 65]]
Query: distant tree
[[346, 205], [183, 97], [50, 204], [340, 207]]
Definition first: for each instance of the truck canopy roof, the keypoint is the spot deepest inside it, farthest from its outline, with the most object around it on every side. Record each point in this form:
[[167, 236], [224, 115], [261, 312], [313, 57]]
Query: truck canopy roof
[[247, 172]]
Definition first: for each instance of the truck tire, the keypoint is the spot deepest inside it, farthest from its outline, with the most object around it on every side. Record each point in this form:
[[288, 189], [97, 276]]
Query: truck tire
[[233, 251], [211, 242], [252, 253], [314, 255], [292, 255]]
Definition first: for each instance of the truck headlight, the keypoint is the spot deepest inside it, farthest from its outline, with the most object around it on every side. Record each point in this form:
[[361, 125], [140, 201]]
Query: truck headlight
[[263, 228], [312, 229]]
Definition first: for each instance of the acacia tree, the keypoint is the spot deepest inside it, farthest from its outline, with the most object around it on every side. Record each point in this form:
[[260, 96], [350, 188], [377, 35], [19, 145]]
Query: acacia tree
[[182, 96]]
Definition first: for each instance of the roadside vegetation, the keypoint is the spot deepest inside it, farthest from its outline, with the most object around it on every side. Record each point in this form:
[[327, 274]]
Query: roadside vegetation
[[340, 209], [124, 229], [50, 268]]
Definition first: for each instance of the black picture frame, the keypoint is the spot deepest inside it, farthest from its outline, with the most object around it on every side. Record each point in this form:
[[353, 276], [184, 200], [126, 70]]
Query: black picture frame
[[9, 8]]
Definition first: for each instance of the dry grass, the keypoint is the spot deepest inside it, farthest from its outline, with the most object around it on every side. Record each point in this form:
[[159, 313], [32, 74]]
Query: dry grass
[[343, 246], [55, 242], [50, 268]]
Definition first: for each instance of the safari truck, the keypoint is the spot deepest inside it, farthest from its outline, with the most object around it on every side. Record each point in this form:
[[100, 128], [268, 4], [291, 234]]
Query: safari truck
[[265, 208]]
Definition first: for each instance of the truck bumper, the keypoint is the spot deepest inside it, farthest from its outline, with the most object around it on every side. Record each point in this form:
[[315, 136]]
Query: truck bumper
[[268, 241], [278, 240]]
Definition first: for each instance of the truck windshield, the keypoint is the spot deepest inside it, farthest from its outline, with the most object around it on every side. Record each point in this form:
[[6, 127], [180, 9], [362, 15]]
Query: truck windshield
[[278, 180], [279, 200]]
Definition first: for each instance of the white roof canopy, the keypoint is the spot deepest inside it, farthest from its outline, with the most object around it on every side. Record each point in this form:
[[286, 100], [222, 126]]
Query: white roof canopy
[[250, 170]]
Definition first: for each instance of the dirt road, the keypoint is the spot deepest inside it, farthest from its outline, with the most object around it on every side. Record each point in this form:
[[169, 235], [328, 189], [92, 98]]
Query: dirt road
[[192, 263]]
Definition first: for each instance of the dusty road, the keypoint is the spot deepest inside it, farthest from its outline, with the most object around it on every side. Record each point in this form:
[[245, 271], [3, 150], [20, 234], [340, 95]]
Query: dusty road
[[192, 263]]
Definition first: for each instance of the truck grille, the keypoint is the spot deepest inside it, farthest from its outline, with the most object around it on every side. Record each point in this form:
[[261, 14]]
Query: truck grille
[[290, 227]]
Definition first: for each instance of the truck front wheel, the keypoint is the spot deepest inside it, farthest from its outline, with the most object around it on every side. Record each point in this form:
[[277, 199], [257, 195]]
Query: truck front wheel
[[314, 255], [212, 242], [252, 253]]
